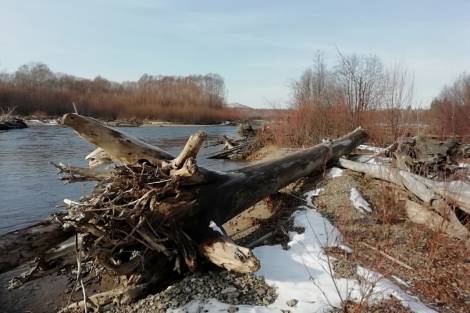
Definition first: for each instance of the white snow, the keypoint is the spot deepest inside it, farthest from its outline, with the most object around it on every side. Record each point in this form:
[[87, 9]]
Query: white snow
[[464, 165], [34, 122], [370, 148], [358, 202], [345, 248], [304, 272], [215, 227], [312, 193], [335, 172]]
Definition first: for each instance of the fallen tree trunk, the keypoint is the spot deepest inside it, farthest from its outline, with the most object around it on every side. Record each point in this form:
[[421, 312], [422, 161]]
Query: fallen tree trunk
[[435, 195], [221, 196], [419, 214], [429, 191]]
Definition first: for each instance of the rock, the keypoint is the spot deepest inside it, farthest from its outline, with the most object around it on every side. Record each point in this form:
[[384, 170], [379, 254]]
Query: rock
[[230, 289], [292, 302], [232, 309]]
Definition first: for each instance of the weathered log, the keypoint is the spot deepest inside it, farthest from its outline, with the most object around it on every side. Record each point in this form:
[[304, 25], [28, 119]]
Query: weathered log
[[220, 196], [419, 214], [170, 222], [82, 173], [228, 143], [98, 157], [234, 149], [227, 254], [228, 193], [190, 150], [429, 191], [121, 148]]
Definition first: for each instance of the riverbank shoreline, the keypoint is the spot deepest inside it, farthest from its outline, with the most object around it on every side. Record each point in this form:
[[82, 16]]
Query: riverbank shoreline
[[12, 123], [55, 121]]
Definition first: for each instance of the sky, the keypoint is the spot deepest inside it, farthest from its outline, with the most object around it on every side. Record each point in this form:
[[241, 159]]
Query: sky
[[259, 47]]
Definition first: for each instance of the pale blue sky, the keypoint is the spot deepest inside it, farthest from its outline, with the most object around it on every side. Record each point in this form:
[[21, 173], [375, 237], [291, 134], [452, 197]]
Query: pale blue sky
[[259, 47]]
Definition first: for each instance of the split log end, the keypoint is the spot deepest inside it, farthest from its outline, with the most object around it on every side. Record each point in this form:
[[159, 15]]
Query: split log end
[[229, 255]]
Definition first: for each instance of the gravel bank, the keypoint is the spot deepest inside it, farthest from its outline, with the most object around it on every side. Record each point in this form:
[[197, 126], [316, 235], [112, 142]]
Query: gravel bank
[[226, 287]]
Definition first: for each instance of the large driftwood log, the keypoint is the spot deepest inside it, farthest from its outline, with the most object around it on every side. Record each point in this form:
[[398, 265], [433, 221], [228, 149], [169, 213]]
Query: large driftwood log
[[119, 147], [211, 197], [221, 196]]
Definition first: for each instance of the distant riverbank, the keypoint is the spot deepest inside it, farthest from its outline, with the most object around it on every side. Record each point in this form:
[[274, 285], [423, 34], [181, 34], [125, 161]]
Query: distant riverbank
[[55, 120], [12, 123]]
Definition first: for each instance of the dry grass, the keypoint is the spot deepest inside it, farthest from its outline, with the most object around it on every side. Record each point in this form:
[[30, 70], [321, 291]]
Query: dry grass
[[390, 305]]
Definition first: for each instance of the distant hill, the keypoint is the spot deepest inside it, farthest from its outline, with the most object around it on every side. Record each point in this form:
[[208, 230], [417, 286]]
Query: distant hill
[[254, 114], [237, 105]]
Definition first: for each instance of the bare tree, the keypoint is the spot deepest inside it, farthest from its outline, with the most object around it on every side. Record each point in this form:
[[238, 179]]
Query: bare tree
[[317, 85], [398, 94], [450, 110], [361, 78]]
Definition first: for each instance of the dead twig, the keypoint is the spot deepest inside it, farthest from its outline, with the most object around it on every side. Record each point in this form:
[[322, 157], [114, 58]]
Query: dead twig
[[391, 258]]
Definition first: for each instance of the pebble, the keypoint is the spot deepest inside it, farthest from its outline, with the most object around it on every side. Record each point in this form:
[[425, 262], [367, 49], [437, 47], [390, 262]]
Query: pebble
[[232, 309], [292, 302]]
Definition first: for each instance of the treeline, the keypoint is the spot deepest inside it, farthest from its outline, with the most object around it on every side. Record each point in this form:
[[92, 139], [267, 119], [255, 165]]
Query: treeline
[[35, 90], [450, 111], [360, 90]]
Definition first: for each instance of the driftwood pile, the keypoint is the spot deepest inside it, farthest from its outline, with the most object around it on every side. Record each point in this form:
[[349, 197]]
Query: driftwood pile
[[430, 157], [126, 219], [240, 148], [153, 216], [427, 169]]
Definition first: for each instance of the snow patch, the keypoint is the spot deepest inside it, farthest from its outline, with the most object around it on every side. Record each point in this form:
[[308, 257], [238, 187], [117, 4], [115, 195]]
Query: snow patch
[[304, 273], [335, 172], [345, 248], [359, 202], [215, 227], [312, 193]]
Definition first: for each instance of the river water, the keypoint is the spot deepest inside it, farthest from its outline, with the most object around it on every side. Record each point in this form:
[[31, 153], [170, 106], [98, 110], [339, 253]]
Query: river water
[[29, 186]]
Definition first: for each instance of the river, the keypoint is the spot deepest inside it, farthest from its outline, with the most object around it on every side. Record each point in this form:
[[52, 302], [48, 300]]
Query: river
[[29, 186]]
